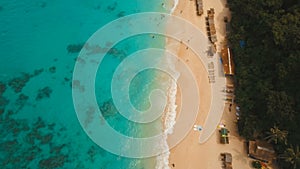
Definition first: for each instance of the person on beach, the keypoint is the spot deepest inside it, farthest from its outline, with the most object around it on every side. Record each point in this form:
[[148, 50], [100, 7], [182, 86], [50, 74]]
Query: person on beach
[[197, 127]]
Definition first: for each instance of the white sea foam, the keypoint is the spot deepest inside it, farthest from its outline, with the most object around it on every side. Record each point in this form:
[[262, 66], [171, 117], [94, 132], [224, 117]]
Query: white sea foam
[[162, 160], [170, 115], [174, 6], [169, 118]]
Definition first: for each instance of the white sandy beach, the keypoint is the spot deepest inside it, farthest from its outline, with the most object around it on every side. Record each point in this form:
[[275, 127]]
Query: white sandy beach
[[190, 154]]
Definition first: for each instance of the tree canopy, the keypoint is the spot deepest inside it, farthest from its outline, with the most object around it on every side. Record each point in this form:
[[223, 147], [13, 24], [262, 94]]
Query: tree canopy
[[267, 76]]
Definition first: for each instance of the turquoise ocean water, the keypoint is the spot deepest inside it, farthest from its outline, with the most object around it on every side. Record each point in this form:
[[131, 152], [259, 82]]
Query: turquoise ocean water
[[39, 42]]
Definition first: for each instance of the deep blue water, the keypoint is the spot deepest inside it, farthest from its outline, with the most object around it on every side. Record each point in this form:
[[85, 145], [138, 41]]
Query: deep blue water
[[39, 42]]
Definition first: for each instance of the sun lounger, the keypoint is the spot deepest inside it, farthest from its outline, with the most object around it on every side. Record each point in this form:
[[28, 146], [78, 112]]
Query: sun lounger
[[199, 5]]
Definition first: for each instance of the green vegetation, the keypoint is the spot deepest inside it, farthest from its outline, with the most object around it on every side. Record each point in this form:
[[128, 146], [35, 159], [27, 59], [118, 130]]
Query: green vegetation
[[268, 72], [291, 156], [256, 164], [276, 136]]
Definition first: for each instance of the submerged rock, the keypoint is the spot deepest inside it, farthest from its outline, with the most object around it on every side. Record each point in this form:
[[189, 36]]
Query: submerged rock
[[74, 48], [112, 7], [117, 53], [43, 93], [51, 126], [76, 85], [37, 72], [121, 14], [108, 109], [66, 79], [52, 69]]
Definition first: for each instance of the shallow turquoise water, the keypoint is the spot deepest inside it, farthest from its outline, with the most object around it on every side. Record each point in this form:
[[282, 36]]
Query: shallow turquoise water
[[38, 122]]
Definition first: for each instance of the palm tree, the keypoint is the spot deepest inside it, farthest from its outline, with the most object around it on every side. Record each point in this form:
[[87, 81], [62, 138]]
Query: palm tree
[[276, 135], [291, 156]]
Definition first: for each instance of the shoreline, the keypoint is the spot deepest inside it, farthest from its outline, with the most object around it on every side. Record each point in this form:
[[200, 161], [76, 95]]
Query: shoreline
[[198, 68]]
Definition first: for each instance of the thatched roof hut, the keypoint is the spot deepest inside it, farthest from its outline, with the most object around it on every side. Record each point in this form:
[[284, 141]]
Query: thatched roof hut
[[261, 150], [199, 5], [227, 60]]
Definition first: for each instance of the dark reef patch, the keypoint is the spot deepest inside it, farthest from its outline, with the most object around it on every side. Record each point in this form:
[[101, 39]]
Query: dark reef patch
[[8, 145], [30, 138], [21, 101], [53, 162], [52, 69], [19, 82], [117, 53], [112, 7], [108, 109], [66, 79], [46, 138], [3, 102], [98, 7], [92, 152], [44, 93], [51, 126], [56, 149], [37, 72], [76, 84], [43, 4], [39, 124], [28, 141], [75, 48], [2, 88], [121, 14], [80, 60]]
